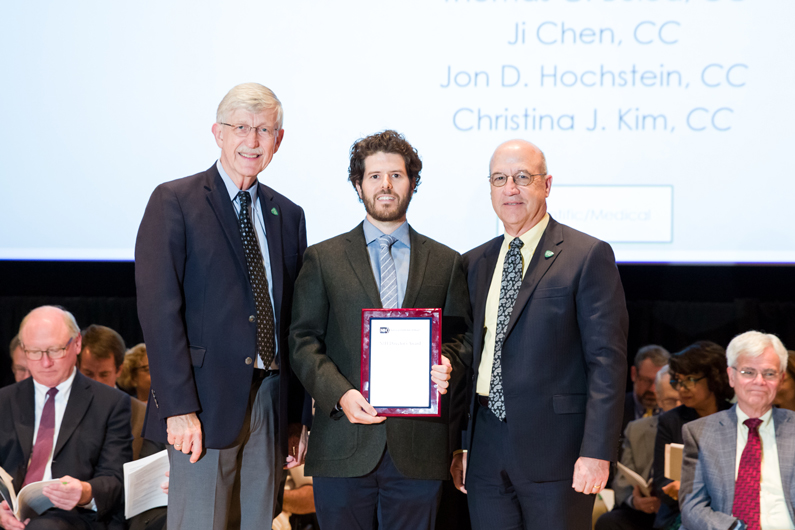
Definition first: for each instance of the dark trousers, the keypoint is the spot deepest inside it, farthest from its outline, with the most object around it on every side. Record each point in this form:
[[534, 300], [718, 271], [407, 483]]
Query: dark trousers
[[625, 518], [383, 499], [500, 498], [57, 519]]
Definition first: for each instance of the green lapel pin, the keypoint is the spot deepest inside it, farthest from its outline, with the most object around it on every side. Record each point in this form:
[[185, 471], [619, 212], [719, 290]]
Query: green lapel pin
[[548, 254], [274, 211]]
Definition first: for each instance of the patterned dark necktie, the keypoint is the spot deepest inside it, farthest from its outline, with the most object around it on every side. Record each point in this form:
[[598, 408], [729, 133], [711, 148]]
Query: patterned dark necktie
[[509, 288], [42, 449], [259, 283], [388, 273], [749, 478]]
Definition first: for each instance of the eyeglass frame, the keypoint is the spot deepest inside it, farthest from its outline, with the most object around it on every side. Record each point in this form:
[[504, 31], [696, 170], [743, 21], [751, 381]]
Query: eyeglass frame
[[688, 383], [513, 177], [48, 351], [747, 377], [248, 128]]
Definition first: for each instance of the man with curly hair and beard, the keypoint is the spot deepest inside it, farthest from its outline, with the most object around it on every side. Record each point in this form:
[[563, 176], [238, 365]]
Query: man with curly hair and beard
[[368, 469]]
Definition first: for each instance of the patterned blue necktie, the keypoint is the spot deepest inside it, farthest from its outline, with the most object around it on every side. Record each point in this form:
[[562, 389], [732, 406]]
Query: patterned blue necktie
[[266, 346], [509, 288], [388, 273]]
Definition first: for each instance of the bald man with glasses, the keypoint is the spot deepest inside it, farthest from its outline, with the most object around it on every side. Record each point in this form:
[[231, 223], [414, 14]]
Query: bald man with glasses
[[59, 424]]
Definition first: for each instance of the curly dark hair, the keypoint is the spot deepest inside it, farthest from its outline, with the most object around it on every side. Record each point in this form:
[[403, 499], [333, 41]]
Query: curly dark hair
[[704, 357], [387, 141]]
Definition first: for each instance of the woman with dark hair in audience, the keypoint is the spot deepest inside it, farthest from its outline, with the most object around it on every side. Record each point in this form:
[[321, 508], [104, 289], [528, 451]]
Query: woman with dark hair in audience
[[134, 378], [785, 398], [699, 374]]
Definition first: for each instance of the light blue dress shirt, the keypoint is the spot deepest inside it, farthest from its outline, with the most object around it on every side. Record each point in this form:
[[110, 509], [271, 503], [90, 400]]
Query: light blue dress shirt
[[401, 255], [259, 229]]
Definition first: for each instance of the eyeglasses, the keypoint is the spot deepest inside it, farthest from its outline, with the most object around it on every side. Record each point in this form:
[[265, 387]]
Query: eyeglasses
[[52, 353], [687, 384], [243, 130], [749, 374], [498, 180]]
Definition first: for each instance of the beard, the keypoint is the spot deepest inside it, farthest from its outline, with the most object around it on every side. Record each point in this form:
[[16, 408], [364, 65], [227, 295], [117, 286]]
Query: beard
[[387, 216]]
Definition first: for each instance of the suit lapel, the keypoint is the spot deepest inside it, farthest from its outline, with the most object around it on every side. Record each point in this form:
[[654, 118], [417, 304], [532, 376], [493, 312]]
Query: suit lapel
[[224, 210], [552, 240], [418, 261], [726, 439], [272, 216], [359, 259], [484, 270], [785, 443], [79, 399], [25, 416]]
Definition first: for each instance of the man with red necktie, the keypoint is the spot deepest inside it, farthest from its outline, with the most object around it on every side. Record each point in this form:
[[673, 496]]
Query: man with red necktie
[[738, 469], [59, 424]]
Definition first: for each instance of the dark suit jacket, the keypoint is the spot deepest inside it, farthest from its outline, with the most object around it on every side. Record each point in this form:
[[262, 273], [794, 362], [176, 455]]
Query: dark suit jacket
[[708, 467], [335, 284], [93, 444], [196, 305], [564, 358]]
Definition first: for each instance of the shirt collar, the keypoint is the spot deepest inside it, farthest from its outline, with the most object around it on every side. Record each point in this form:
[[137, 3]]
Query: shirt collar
[[532, 235], [63, 387], [371, 233], [231, 188], [766, 418]]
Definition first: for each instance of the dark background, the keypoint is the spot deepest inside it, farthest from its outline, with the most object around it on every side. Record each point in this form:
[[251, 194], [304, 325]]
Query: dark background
[[670, 305]]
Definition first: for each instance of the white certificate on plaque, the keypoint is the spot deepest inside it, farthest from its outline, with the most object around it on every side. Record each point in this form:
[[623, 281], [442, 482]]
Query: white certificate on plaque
[[400, 362]]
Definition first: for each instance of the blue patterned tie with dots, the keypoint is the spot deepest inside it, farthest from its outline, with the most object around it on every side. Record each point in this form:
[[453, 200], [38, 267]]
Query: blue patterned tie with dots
[[509, 288], [259, 283], [388, 273]]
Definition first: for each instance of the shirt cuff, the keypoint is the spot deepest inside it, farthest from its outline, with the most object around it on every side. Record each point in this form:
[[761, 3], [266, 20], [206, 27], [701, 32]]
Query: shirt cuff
[[90, 506]]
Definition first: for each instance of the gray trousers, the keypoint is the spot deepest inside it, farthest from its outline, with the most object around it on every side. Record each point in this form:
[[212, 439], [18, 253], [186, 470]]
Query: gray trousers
[[235, 487]]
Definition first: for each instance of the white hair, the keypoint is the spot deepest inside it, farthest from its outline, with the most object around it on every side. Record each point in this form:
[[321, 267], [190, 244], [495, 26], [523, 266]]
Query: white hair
[[68, 319], [752, 344], [665, 370], [251, 97]]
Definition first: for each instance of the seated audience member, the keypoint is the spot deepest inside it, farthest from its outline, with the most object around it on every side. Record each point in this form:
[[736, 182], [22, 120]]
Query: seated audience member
[[785, 398], [738, 468], [642, 400], [134, 378], [60, 425], [101, 360], [633, 511], [298, 504], [698, 373], [19, 364]]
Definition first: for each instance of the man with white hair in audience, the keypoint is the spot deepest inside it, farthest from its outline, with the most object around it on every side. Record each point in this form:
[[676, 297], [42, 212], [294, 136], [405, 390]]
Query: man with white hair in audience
[[738, 468], [59, 424]]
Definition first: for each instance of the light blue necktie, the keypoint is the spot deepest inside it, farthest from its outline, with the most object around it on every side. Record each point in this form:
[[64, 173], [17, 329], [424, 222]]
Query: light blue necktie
[[388, 273]]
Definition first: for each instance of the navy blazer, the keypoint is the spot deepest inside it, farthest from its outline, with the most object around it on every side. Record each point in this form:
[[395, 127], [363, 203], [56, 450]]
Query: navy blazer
[[196, 305], [93, 444], [564, 359]]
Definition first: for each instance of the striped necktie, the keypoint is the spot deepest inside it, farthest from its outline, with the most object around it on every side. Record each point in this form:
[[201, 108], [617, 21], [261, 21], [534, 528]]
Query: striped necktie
[[388, 273]]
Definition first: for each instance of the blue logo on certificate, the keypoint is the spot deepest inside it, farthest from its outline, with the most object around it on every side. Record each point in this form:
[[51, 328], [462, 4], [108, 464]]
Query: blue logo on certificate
[[384, 329]]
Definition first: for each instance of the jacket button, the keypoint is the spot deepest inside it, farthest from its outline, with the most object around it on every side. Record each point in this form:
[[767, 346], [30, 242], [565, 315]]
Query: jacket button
[[251, 318], [249, 360]]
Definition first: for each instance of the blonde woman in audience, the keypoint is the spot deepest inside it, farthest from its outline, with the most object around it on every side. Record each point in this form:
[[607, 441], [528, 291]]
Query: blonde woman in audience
[[134, 376]]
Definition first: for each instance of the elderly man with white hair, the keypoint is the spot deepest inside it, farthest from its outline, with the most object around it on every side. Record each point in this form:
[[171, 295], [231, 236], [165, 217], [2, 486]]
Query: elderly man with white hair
[[216, 257], [738, 468]]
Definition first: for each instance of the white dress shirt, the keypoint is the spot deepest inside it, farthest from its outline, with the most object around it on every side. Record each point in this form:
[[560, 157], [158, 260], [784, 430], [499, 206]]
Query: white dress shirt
[[773, 513], [61, 399]]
